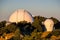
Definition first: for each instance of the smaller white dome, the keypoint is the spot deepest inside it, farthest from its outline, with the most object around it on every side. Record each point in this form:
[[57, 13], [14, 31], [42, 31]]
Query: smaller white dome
[[49, 24]]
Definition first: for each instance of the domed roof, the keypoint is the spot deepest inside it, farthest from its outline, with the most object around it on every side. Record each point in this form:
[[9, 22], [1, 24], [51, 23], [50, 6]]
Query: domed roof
[[49, 24], [21, 15], [48, 21]]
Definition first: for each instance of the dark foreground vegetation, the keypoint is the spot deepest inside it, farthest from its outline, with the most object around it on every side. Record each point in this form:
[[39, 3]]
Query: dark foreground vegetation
[[28, 31]]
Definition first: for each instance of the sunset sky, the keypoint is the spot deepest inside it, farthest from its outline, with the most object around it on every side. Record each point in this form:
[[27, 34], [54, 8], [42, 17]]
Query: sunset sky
[[46, 8]]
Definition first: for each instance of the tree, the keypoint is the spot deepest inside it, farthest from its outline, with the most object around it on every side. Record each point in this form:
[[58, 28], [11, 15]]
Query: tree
[[2, 31], [34, 36], [56, 32], [25, 28], [55, 20], [17, 34], [57, 25], [2, 24], [11, 28], [36, 23]]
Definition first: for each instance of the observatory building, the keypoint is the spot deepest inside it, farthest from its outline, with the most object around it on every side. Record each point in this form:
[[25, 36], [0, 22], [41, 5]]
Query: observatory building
[[21, 15], [49, 24]]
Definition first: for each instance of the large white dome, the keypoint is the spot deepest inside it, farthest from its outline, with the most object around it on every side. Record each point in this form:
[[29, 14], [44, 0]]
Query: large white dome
[[21, 15]]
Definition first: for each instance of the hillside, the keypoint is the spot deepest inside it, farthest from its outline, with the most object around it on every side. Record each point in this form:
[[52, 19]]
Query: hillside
[[29, 31]]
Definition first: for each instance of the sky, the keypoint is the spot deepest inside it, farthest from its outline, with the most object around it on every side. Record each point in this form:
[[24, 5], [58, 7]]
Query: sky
[[46, 8]]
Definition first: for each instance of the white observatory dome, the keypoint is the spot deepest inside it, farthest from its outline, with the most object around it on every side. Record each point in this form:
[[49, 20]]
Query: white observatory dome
[[49, 24], [21, 15]]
